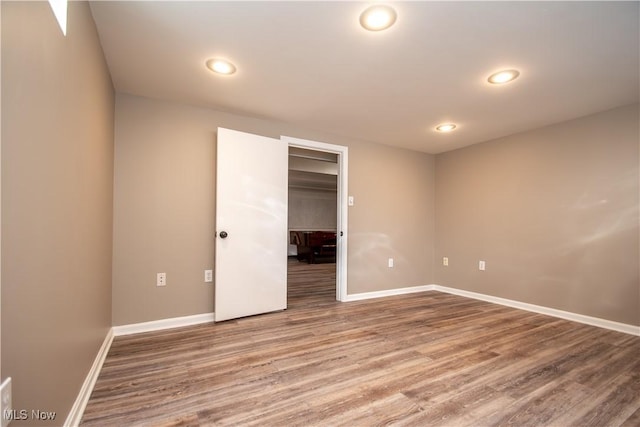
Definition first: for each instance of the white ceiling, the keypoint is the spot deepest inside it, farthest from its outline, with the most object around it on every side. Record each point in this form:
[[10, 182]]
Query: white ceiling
[[312, 65]]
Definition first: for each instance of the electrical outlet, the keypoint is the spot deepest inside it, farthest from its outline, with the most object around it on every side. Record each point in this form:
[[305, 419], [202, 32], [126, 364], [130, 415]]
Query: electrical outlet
[[208, 276], [481, 265], [445, 261], [161, 279], [5, 402], [390, 262]]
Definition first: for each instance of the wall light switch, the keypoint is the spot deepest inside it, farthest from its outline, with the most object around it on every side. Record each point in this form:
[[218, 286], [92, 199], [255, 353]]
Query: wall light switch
[[350, 200], [445, 261], [481, 265], [208, 276], [390, 262]]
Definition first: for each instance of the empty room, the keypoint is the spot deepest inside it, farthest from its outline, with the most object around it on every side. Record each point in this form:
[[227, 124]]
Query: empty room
[[320, 213]]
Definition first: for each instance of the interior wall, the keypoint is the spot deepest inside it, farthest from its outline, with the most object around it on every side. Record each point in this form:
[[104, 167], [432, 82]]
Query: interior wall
[[164, 208], [312, 210], [313, 192], [57, 193], [553, 212]]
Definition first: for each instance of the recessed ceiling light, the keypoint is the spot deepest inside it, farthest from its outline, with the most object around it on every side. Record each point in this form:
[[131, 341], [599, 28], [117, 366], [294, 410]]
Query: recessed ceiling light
[[446, 127], [503, 76], [221, 66], [378, 18]]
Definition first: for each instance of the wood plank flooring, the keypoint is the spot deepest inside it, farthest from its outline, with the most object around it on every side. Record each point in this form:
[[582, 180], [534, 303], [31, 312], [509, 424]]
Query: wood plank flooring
[[425, 359], [310, 285]]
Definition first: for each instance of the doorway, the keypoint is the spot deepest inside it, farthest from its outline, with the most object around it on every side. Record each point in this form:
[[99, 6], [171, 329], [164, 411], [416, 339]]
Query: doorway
[[318, 188], [312, 227]]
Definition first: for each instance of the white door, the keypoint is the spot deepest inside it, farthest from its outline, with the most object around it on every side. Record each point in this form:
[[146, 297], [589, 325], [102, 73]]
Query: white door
[[251, 225]]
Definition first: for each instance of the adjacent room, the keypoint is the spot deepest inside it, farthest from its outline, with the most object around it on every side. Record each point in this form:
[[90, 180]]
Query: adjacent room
[[312, 227], [320, 213]]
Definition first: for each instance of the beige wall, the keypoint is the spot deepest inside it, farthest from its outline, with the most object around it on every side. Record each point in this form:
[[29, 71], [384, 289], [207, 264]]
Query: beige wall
[[312, 209], [57, 182], [553, 212], [164, 204]]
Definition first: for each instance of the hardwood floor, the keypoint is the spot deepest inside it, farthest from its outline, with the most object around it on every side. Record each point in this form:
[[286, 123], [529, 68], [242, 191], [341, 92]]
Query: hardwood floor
[[425, 359], [310, 285]]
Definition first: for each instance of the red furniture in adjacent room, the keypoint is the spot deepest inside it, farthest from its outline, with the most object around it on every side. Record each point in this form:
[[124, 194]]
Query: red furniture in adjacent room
[[315, 246]]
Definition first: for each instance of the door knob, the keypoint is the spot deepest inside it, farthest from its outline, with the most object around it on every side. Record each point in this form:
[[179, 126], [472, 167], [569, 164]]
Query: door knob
[[223, 234]]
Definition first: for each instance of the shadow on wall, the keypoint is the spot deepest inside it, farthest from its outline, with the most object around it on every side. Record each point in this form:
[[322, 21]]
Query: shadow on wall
[[367, 255], [573, 259], [615, 214]]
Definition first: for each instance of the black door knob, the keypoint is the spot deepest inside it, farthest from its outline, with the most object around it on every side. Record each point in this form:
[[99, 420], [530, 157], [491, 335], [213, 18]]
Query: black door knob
[[223, 234]]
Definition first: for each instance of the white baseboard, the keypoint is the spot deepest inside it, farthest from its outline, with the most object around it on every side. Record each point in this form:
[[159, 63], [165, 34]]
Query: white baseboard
[[157, 325], [580, 318], [77, 410], [388, 293]]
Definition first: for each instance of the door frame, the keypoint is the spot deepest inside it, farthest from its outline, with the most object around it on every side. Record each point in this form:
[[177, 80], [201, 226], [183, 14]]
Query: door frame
[[342, 223]]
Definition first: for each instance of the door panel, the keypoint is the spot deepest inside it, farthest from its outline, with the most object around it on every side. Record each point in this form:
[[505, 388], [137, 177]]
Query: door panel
[[251, 208]]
